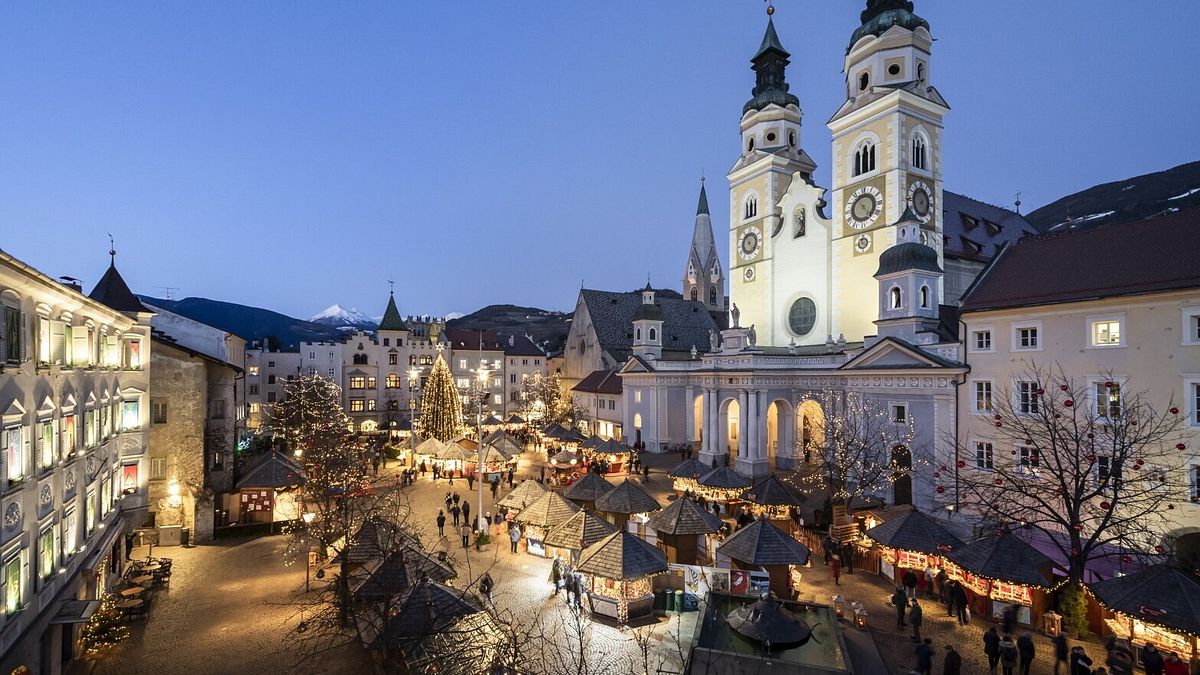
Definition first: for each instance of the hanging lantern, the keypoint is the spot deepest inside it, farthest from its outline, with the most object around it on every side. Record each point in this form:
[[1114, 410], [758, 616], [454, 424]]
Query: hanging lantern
[[1068, 403]]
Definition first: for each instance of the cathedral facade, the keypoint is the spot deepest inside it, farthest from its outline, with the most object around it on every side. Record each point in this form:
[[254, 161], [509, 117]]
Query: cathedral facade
[[835, 294]]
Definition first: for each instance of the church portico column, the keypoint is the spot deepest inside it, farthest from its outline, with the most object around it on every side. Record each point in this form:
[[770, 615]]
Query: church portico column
[[743, 423], [754, 462], [711, 449], [690, 420]]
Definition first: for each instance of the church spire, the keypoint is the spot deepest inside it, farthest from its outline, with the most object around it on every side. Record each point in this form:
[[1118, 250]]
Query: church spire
[[769, 65], [702, 207], [704, 279], [391, 316]]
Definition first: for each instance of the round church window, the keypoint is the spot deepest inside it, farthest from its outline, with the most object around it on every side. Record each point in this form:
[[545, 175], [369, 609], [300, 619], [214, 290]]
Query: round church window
[[802, 316]]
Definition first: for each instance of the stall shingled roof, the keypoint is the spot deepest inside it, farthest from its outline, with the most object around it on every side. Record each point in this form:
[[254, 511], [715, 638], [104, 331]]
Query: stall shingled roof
[[547, 511], [762, 543], [1004, 556], [917, 532], [589, 488], [271, 470], [628, 497], [526, 492], [1161, 595], [724, 478], [771, 491], [684, 516], [690, 468], [622, 555], [579, 531]]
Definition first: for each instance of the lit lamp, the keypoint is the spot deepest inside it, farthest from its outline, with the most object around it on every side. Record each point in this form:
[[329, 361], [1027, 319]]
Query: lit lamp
[[839, 606], [173, 498], [860, 615], [309, 517]]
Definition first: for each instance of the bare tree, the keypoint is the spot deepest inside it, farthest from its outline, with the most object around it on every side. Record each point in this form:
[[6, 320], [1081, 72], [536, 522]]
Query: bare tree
[[1096, 467], [864, 452]]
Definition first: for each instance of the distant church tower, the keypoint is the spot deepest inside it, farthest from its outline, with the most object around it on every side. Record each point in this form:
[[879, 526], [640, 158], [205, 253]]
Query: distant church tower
[[887, 155], [771, 157], [704, 278]]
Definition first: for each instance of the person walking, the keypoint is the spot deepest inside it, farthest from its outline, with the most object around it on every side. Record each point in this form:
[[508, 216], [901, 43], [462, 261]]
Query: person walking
[[578, 589], [924, 654], [1152, 660], [495, 487], [900, 601], [375, 463], [514, 536], [422, 468], [991, 648], [952, 664], [511, 477], [471, 481], [827, 546], [948, 597], [835, 566], [1081, 663], [1174, 665], [929, 578], [848, 556], [441, 523], [910, 584], [960, 604], [1008, 655], [1061, 652], [1026, 651], [556, 575], [456, 498], [1008, 620], [486, 584], [454, 513], [466, 511], [916, 617], [465, 531], [449, 501]]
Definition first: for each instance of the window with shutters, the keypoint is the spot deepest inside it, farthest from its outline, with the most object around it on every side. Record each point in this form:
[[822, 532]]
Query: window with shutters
[[12, 335]]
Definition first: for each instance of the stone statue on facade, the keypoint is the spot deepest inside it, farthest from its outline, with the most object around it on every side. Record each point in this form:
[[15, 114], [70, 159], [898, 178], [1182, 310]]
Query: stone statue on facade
[[736, 314], [752, 336], [712, 339]]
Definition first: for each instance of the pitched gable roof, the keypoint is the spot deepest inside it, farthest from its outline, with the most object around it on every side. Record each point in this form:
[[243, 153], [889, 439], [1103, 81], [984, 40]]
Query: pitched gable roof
[[1160, 595], [1147, 256], [391, 317], [762, 543], [271, 470], [915, 531], [523, 346], [891, 353], [685, 323], [600, 382], [114, 292], [682, 517]]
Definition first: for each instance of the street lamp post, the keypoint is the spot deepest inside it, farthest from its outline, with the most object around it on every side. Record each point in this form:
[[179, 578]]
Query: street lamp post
[[308, 517], [479, 474]]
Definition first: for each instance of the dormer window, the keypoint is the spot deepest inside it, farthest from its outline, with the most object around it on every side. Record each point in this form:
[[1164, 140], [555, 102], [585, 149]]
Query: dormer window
[[919, 158], [864, 158], [894, 299], [751, 207], [924, 296]]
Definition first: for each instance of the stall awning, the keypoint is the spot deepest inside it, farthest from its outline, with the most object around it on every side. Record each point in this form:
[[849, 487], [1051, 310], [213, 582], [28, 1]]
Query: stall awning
[[75, 611], [1161, 595]]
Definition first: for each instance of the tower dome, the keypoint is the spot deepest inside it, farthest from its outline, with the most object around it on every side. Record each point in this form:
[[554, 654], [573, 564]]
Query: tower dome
[[880, 15]]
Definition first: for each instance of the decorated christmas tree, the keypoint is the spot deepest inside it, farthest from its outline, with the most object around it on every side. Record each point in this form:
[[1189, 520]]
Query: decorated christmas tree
[[105, 628], [441, 408]]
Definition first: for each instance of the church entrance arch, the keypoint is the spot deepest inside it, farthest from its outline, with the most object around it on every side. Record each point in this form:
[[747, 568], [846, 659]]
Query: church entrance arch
[[730, 428], [901, 475], [811, 426], [697, 438], [781, 433]]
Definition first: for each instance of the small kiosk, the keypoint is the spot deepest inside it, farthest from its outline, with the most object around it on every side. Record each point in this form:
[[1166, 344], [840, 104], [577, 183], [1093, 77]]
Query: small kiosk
[[625, 501], [541, 516], [722, 484], [762, 545], [619, 570], [526, 493], [577, 533], [1160, 605], [587, 490], [1001, 570], [774, 499], [910, 541], [612, 454], [685, 475], [682, 529]]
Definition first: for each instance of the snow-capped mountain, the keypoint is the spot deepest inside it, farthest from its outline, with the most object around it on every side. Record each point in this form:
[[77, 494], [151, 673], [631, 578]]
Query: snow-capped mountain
[[341, 317]]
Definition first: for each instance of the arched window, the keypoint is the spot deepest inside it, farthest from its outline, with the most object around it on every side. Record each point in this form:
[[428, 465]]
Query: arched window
[[792, 138], [798, 223], [637, 333], [653, 335], [751, 207], [750, 144], [919, 153], [924, 296], [712, 296], [864, 158], [637, 420], [894, 301], [920, 72], [864, 80], [694, 294]]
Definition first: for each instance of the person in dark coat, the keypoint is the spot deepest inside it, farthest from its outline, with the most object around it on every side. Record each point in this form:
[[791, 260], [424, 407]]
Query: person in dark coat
[[1152, 660], [924, 654], [1008, 655], [952, 665], [1026, 651], [556, 575], [960, 603], [916, 617], [1081, 663], [848, 557], [1061, 652], [900, 600], [486, 584], [441, 523], [455, 512], [835, 567], [910, 584], [827, 546], [991, 648], [1008, 620], [466, 509]]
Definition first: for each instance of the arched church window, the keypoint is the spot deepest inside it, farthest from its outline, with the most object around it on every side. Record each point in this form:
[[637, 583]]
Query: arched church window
[[653, 335], [894, 300], [924, 296], [712, 296], [864, 80], [751, 207], [919, 158], [792, 138], [920, 72], [864, 158], [694, 294], [637, 333], [798, 223], [750, 144]]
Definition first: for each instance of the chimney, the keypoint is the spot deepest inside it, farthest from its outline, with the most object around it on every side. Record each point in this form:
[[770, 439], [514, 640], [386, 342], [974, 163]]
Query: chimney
[[72, 283]]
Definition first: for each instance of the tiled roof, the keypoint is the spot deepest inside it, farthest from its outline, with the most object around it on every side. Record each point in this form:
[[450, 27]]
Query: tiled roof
[[114, 292], [1147, 256], [579, 531], [600, 382], [628, 497], [547, 511], [271, 470], [376, 538], [915, 531], [523, 346], [685, 323], [684, 516], [428, 608], [463, 339], [771, 491], [391, 317], [526, 492], [690, 468], [762, 543], [611, 447], [588, 488], [1160, 595], [724, 478], [622, 555], [1006, 557], [975, 230]]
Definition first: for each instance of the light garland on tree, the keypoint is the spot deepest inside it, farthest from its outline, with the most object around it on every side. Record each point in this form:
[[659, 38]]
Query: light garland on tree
[[441, 407], [106, 627]]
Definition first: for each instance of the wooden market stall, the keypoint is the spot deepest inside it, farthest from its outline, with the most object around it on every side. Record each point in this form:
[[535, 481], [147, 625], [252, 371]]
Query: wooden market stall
[[1160, 606], [686, 474], [909, 541], [1000, 570], [526, 493], [504, 442], [774, 499], [575, 534], [542, 515], [619, 570], [451, 458], [722, 484], [625, 501], [762, 545], [587, 490], [268, 491], [427, 451], [682, 529], [495, 463], [612, 455]]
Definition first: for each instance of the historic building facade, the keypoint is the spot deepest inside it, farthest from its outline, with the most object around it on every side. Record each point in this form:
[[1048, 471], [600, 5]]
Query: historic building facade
[[74, 410]]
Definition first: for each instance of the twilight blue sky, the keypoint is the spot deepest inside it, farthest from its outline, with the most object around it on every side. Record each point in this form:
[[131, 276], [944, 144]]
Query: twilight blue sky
[[295, 154]]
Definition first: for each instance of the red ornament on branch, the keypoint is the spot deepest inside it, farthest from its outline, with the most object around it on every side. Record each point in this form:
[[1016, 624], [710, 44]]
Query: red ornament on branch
[[960, 464], [1108, 385], [1159, 549], [1040, 391], [1105, 505], [999, 481], [1068, 403], [998, 425], [1180, 446], [944, 467], [1077, 527], [1062, 387], [937, 474], [940, 489], [1091, 458], [1174, 411]]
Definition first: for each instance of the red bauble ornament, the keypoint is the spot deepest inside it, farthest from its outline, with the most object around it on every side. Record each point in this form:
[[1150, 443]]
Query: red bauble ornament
[[1077, 527], [1174, 411], [1091, 435], [999, 481], [995, 417], [1180, 446], [1014, 452], [940, 489], [943, 467], [1056, 416], [1040, 391], [1126, 559], [998, 425], [1068, 403], [960, 464], [1159, 549], [1062, 387], [1108, 385], [1105, 505], [936, 474], [1091, 458]]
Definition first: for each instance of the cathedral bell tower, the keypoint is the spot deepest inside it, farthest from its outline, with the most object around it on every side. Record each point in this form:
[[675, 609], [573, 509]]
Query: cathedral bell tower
[[771, 157], [704, 278], [887, 155]]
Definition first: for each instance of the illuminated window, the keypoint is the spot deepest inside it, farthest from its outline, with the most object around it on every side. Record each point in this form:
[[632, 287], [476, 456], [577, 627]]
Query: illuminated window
[[1106, 333], [47, 549], [46, 449], [14, 454], [14, 583], [1108, 399], [358, 382], [358, 405]]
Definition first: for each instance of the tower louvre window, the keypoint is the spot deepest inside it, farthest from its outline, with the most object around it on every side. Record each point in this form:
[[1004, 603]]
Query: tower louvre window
[[864, 158], [924, 296], [894, 299], [919, 153], [751, 206]]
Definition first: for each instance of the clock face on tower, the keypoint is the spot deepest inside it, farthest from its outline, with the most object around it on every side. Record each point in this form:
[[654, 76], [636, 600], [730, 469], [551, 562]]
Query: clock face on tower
[[863, 207], [920, 201], [862, 243], [750, 243]]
